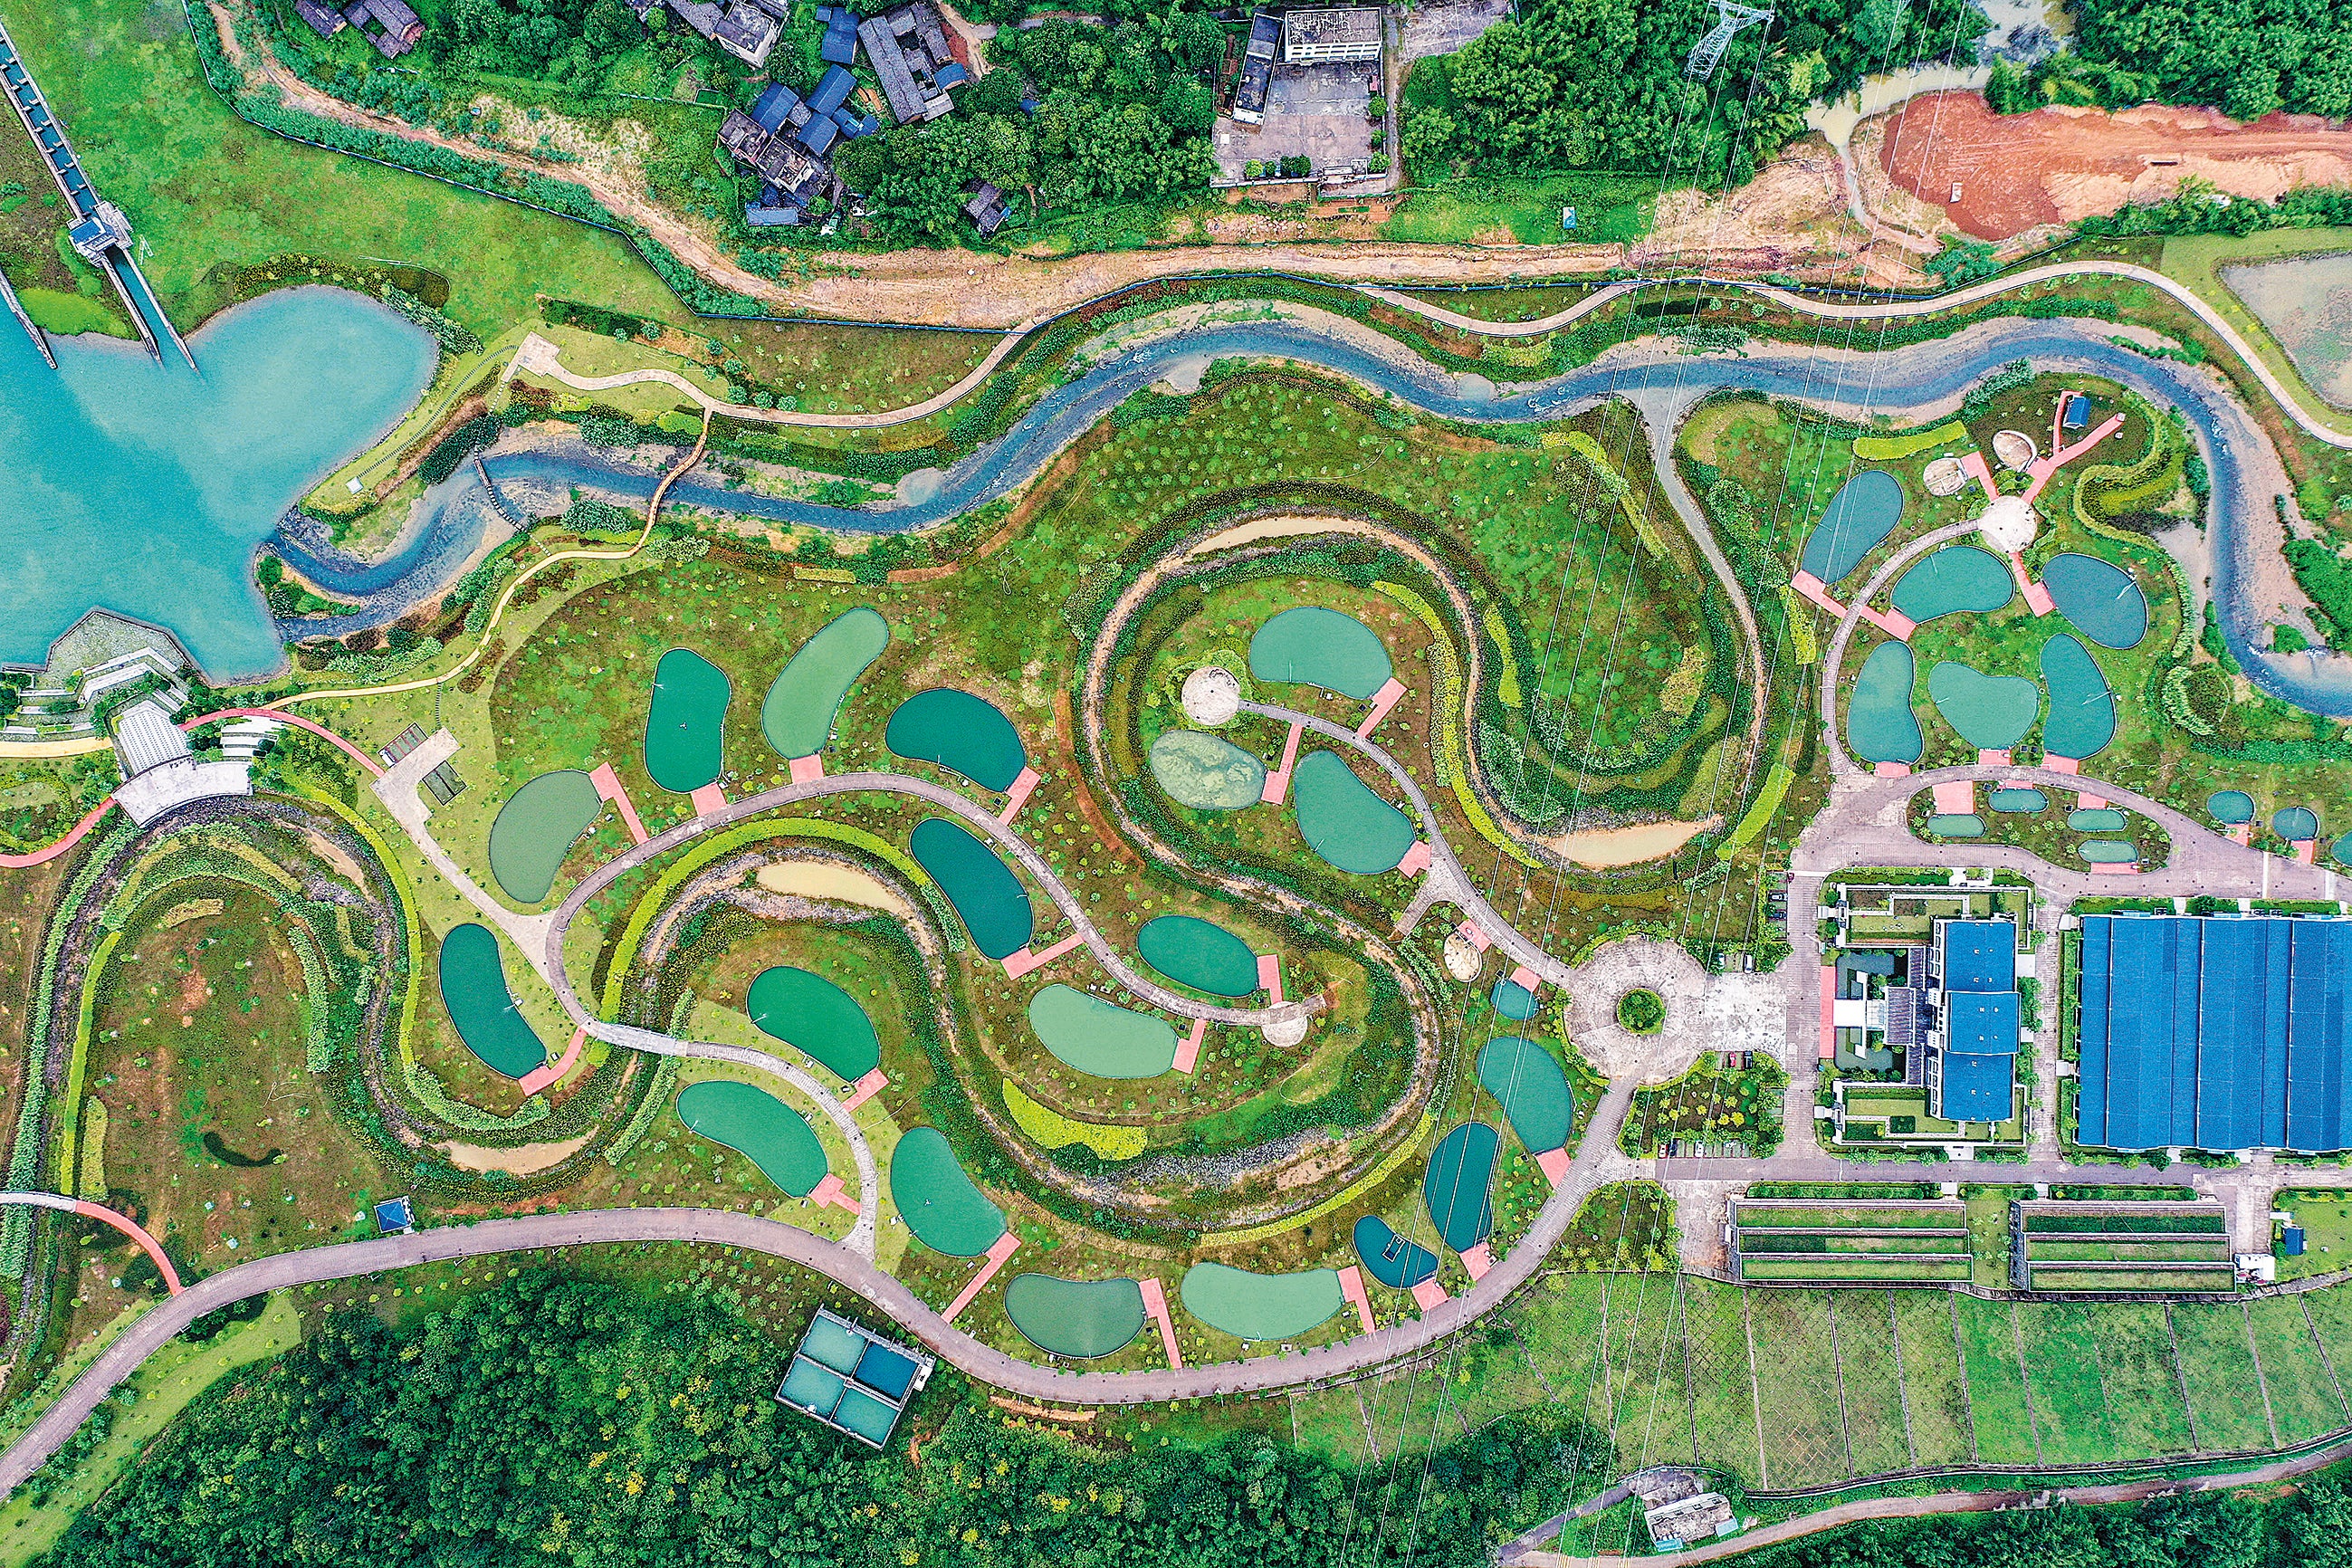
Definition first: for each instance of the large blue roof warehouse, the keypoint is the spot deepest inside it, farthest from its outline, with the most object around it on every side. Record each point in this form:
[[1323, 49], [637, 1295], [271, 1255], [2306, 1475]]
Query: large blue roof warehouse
[[2215, 1032]]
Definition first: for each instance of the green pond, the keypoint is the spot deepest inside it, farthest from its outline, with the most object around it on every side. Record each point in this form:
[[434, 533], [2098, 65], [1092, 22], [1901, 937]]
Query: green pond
[[2098, 596], [1957, 579], [2231, 805], [1863, 512], [2296, 823], [1205, 771], [536, 829], [1320, 647], [1513, 1000], [1389, 1257], [940, 1204], [1992, 712], [1101, 1038], [1454, 1189], [2097, 819], [1955, 824], [797, 717], [1879, 723], [1533, 1090], [2082, 708], [2018, 799], [686, 721], [963, 733], [2109, 851], [811, 1012], [751, 1121], [986, 894], [1191, 951], [1084, 1318], [1260, 1306], [1344, 821], [474, 989]]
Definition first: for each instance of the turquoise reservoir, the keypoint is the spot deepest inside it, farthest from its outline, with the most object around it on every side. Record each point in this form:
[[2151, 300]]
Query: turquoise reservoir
[[1991, 713], [1320, 647], [145, 488], [1958, 578], [2081, 707], [1863, 512], [2099, 597], [1344, 820], [1879, 723]]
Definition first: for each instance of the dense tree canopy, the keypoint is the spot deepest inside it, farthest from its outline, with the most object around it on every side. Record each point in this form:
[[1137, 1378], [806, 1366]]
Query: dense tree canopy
[[2246, 57], [1122, 112], [557, 1421], [565, 41], [1587, 84]]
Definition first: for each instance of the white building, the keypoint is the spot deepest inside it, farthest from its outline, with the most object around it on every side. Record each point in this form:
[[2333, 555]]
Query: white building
[[1311, 37]]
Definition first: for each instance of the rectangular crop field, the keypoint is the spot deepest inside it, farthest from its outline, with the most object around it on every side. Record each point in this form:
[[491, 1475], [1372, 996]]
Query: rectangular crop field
[[1943, 1216], [1873, 1388], [1645, 1372], [2330, 1312], [1934, 1390], [2182, 1279], [2217, 1361], [2062, 1365], [2304, 1400], [1838, 1266], [1867, 1243], [1722, 1391], [1997, 1402], [2144, 1415], [1797, 1388]]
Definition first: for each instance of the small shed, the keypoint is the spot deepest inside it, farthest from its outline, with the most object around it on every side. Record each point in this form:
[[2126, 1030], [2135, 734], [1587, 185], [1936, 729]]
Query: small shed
[[394, 1216]]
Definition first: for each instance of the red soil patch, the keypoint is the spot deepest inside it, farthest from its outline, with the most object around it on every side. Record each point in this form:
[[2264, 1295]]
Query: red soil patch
[[2059, 165]]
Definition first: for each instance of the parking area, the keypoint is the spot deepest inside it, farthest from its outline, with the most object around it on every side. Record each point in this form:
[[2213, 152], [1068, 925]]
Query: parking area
[[1315, 109]]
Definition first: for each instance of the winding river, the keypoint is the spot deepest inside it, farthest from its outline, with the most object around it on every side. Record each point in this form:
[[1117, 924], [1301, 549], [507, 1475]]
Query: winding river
[[1907, 383]]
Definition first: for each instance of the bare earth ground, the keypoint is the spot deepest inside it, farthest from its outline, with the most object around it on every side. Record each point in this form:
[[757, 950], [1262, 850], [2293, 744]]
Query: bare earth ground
[[2057, 165]]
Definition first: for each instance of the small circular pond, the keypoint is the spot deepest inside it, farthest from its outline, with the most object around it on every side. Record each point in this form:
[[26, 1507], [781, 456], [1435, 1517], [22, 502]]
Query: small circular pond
[[1955, 824], [2295, 824], [2230, 806], [812, 1014], [1513, 1000], [536, 829], [1193, 951], [940, 1204], [2109, 851], [2018, 798], [1205, 771], [1082, 1317], [1316, 647], [754, 1122], [2096, 819]]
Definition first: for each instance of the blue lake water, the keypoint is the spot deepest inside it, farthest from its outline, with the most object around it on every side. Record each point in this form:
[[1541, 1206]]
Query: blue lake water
[[144, 489]]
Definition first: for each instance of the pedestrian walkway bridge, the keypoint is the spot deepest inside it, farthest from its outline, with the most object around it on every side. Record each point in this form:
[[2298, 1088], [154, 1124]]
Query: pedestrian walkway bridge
[[100, 231]]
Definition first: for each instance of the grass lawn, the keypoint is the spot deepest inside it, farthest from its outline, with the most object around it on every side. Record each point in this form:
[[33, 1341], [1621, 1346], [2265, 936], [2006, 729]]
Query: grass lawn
[[2305, 1399], [2326, 1216], [2061, 1363], [1723, 1390], [2144, 1415], [1997, 1404], [1610, 209], [1796, 1375], [205, 190], [164, 1385], [1650, 1410], [1942, 1432], [2217, 1362], [1873, 1388]]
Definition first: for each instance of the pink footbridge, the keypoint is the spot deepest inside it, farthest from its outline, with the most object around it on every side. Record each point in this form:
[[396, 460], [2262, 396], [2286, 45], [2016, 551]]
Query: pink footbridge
[[1187, 1053], [866, 1088], [831, 1193], [1269, 976], [1383, 700], [806, 770], [1019, 964], [299, 722], [540, 1077], [708, 799], [1429, 1295], [1278, 782], [609, 787], [1006, 1245], [1893, 623], [74, 836], [1829, 1011], [1018, 795], [1155, 1301], [1956, 797], [1351, 1285]]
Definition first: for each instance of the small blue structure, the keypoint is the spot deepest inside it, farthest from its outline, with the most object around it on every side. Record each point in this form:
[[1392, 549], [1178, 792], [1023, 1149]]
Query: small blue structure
[[1976, 1016], [852, 1379], [2291, 1244], [773, 216], [818, 135], [840, 45], [2077, 412], [951, 76], [393, 1216], [774, 106], [833, 91]]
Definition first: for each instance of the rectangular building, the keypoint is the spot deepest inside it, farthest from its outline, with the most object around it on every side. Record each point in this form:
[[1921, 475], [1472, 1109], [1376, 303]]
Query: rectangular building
[[852, 1379], [2214, 1032], [1351, 34], [1974, 1018], [1257, 70]]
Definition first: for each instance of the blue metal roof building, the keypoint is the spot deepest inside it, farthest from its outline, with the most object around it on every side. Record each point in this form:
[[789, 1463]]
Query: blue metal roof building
[[2219, 1033], [1977, 955], [1972, 1057], [833, 91]]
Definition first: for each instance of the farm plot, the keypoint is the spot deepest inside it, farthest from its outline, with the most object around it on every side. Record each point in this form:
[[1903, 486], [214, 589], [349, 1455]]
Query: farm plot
[[1997, 1398], [2127, 1247], [2304, 1400], [2062, 1367], [1650, 1402], [2144, 1415], [1722, 1389], [1875, 1426], [2216, 1362], [2330, 1312], [1935, 1391], [1912, 1242], [1795, 1386]]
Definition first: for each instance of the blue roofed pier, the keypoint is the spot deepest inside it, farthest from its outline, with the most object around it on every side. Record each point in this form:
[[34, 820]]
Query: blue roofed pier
[[98, 231]]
